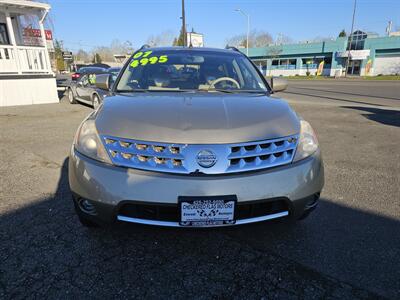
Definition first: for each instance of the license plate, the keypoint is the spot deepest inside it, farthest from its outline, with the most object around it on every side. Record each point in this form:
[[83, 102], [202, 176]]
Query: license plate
[[207, 211]]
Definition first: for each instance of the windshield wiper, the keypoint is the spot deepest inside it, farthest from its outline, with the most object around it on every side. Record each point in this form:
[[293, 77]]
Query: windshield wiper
[[254, 91], [217, 90], [152, 90], [236, 91]]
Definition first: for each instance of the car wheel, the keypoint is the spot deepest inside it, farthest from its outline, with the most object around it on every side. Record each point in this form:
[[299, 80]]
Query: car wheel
[[71, 97], [95, 101]]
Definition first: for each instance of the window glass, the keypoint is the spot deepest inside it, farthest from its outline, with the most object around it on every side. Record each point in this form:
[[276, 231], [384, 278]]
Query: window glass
[[171, 70], [4, 35], [84, 80]]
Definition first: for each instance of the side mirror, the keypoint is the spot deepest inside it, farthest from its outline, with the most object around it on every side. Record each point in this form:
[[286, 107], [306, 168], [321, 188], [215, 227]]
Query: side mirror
[[103, 81], [278, 84]]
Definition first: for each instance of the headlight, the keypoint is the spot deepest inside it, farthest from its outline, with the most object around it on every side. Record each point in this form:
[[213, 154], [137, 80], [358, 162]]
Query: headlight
[[87, 142], [308, 142]]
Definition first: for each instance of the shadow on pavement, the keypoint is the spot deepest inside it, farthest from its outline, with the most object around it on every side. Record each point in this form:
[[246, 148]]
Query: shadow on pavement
[[337, 252], [330, 98], [337, 91], [383, 116], [60, 95]]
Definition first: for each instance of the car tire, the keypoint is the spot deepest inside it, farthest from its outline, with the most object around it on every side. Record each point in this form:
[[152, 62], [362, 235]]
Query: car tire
[[71, 97], [95, 101]]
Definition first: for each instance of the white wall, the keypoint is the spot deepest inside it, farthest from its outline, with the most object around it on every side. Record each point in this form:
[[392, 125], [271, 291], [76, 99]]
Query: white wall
[[28, 91], [302, 72], [386, 65]]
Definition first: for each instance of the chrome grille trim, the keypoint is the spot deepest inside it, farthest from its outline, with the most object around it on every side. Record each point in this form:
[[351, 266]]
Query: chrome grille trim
[[262, 154], [145, 155], [181, 158], [176, 224]]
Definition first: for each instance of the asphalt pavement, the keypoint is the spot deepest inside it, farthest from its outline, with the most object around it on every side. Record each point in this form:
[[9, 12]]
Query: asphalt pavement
[[349, 248]]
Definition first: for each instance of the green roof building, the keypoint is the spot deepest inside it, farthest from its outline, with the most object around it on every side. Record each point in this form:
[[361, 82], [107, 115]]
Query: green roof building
[[368, 55]]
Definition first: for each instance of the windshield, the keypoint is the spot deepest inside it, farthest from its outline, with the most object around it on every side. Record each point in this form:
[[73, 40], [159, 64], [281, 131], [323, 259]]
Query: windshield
[[182, 70], [91, 70], [114, 70]]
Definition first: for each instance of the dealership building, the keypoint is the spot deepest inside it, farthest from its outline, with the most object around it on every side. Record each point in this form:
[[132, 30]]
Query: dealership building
[[368, 55], [26, 75]]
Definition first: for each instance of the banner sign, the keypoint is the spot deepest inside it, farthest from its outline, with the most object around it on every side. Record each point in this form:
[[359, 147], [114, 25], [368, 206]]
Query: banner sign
[[194, 39], [368, 67], [320, 68]]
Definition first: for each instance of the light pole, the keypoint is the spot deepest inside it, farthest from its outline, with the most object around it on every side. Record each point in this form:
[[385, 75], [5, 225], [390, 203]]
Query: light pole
[[248, 28], [350, 38]]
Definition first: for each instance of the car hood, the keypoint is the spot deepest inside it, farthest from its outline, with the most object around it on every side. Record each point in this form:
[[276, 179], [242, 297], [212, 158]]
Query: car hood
[[196, 118]]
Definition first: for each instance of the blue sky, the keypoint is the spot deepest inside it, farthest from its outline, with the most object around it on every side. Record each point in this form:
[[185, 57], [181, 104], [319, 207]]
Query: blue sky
[[89, 23]]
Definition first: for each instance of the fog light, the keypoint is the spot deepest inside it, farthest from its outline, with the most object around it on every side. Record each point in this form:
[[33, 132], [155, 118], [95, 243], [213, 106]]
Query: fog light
[[312, 203], [86, 206]]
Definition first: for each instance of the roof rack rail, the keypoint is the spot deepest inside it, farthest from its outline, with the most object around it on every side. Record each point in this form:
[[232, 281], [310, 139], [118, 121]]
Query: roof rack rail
[[145, 46], [232, 48]]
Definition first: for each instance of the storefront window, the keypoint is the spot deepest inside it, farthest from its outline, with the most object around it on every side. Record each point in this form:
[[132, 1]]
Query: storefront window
[[28, 31]]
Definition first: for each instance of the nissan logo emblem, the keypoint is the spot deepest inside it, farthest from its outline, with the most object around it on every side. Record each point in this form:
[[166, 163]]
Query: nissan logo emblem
[[206, 158]]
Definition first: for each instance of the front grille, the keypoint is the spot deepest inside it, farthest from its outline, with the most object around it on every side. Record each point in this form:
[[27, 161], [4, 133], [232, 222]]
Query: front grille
[[183, 158], [260, 155], [170, 212], [145, 155]]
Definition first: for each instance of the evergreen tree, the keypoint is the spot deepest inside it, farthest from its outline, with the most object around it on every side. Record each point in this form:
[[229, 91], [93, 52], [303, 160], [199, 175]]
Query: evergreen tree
[[58, 48], [179, 41], [342, 33], [96, 59]]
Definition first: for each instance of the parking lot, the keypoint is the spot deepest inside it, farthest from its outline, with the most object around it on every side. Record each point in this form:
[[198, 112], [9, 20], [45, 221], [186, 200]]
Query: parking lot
[[348, 248]]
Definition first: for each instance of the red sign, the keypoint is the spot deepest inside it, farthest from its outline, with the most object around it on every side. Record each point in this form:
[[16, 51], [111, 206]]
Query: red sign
[[30, 32], [48, 34]]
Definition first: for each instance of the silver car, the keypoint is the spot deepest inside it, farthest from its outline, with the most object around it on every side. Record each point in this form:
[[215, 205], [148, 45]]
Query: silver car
[[190, 137]]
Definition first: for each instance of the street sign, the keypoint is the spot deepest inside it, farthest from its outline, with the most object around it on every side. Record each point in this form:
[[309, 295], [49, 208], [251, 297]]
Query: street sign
[[67, 55]]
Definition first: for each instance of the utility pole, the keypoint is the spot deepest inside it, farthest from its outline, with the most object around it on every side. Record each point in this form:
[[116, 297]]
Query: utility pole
[[350, 38], [183, 24]]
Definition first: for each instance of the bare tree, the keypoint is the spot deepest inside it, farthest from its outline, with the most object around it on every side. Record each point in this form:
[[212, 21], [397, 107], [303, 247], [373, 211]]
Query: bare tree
[[165, 38], [82, 55], [256, 39], [116, 47], [321, 39], [238, 40], [283, 39], [262, 39]]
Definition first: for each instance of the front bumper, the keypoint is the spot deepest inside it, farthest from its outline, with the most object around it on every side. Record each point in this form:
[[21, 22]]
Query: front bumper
[[108, 188]]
